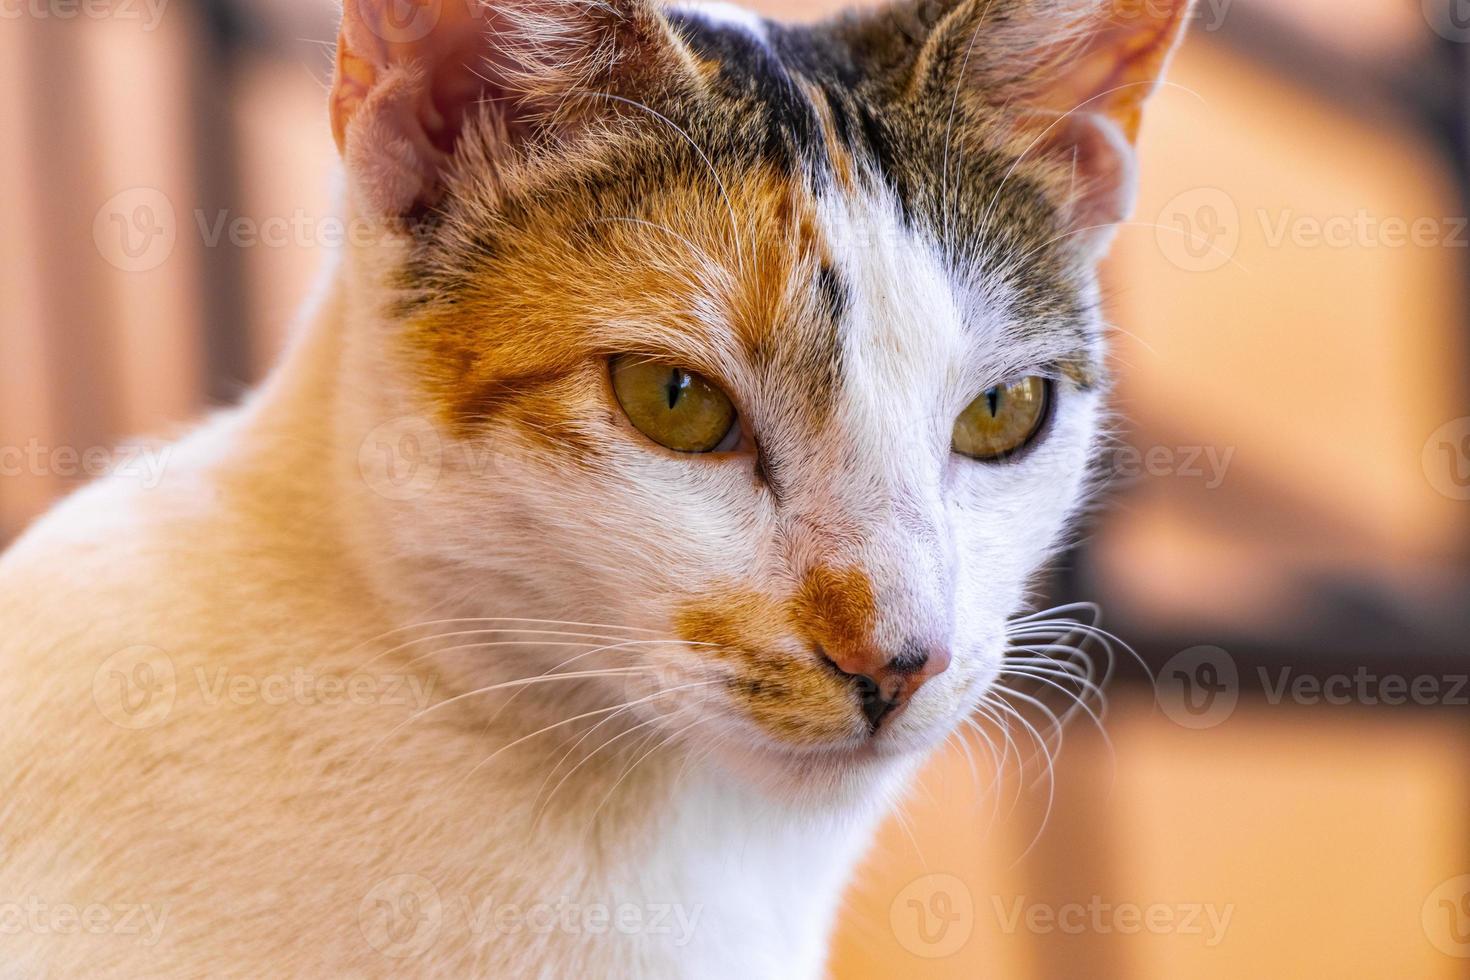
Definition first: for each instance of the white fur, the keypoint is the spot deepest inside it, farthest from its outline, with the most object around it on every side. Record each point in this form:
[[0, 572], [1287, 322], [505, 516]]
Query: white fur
[[723, 14], [533, 739], [277, 543]]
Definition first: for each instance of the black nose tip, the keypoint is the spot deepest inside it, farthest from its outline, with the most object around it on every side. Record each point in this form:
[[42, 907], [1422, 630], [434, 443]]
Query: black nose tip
[[913, 659], [884, 685], [877, 698], [875, 705]]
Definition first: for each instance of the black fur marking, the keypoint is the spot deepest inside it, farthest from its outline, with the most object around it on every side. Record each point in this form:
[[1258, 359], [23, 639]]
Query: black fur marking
[[754, 76], [939, 157], [833, 292], [764, 472]]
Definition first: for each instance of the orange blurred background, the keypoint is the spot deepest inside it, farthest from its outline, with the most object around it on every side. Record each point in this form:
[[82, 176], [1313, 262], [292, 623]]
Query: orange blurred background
[[1285, 540]]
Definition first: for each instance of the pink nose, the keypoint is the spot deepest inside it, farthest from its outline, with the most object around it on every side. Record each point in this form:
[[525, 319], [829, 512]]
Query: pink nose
[[886, 683]]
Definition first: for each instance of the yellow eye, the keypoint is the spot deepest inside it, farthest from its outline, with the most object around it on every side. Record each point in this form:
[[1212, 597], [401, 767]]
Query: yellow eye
[[675, 408], [1002, 420]]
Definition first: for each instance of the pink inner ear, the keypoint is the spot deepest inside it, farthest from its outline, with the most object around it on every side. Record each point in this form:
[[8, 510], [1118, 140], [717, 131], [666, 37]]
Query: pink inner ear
[[1104, 174], [1117, 68], [459, 69], [403, 90], [1105, 161]]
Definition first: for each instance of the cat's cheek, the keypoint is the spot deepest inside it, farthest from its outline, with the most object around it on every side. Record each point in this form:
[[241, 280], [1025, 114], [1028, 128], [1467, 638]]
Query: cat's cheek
[[1008, 519], [1022, 504]]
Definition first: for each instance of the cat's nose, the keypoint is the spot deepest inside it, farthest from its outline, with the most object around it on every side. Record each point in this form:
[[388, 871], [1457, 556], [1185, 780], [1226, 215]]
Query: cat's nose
[[885, 682]]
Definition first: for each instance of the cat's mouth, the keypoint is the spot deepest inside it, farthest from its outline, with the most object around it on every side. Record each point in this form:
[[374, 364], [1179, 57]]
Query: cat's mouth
[[822, 720], [851, 731]]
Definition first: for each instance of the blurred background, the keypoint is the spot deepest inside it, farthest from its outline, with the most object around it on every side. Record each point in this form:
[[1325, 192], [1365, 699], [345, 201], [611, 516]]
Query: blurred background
[[1285, 543]]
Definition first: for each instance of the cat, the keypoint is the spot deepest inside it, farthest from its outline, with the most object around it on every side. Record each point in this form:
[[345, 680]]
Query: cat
[[636, 507]]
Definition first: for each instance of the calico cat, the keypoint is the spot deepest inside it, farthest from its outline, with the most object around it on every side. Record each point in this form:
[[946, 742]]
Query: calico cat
[[639, 503]]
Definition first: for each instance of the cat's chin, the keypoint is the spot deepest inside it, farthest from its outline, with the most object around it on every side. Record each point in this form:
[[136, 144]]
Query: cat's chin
[[858, 774]]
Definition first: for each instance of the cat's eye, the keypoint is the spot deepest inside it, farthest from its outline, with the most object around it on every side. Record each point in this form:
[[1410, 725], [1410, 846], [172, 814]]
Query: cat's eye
[[677, 409], [1003, 420]]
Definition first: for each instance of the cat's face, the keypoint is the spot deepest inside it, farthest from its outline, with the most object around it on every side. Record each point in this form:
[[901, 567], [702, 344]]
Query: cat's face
[[784, 342]]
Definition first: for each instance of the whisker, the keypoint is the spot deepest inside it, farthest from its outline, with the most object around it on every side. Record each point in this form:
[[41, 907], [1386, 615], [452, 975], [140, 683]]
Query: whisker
[[492, 630], [463, 620], [1009, 750], [588, 734], [667, 741], [564, 663], [567, 721], [504, 685], [1079, 705], [561, 760], [622, 644], [998, 760], [1050, 772], [1056, 724]]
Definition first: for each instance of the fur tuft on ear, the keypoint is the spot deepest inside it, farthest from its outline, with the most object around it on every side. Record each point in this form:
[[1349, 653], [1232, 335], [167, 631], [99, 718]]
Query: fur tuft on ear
[[1070, 79], [1100, 56], [410, 75]]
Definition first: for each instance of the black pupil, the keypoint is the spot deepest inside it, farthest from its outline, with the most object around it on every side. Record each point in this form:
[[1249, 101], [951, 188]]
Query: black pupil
[[992, 399], [675, 386]]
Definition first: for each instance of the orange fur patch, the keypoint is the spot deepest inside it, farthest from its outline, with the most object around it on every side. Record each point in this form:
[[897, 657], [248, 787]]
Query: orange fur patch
[[353, 80], [838, 155], [795, 698], [525, 334], [835, 607]]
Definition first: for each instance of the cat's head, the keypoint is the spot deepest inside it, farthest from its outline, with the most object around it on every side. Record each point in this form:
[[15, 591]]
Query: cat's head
[[783, 343]]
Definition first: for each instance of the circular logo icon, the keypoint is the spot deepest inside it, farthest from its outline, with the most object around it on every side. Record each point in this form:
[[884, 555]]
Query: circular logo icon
[[402, 458], [668, 690], [135, 688], [402, 21], [1446, 917], [400, 916], [135, 230], [1199, 230], [1199, 687], [934, 916], [1450, 19], [916, 21], [1446, 459]]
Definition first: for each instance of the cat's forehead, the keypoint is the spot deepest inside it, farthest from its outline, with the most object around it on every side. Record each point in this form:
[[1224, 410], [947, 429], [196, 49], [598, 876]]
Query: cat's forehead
[[785, 226], [838, 103]]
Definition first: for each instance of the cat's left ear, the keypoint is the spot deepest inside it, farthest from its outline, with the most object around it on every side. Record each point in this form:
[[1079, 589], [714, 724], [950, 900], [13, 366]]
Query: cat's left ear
[[1069, 80], [411, 75]]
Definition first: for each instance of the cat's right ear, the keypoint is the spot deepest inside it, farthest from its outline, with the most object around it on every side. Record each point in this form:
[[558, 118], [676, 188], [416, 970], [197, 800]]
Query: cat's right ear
[[1067, 81], [411, 74]]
